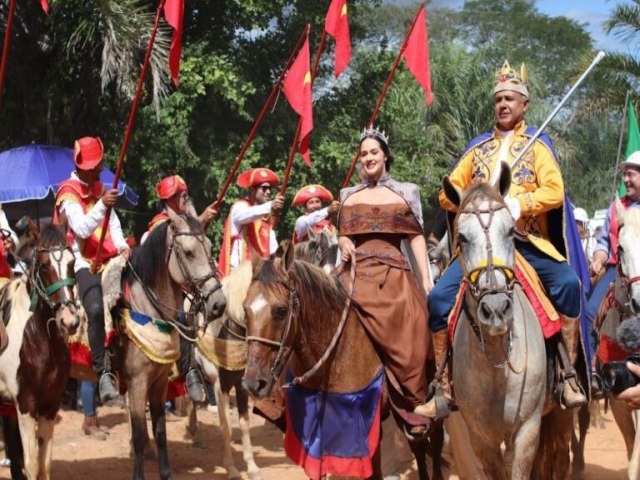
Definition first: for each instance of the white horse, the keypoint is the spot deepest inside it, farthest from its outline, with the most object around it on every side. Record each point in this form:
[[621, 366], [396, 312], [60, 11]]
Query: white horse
[[627, 294], [499, 359]]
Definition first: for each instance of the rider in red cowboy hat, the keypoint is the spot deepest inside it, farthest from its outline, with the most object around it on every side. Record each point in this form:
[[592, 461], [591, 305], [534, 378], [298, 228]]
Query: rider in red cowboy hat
[[247, 230], [83, 200], [315, 218], [173, 193]]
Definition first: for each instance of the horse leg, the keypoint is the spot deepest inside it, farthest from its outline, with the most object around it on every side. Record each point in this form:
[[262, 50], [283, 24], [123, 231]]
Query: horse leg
[[436, 440], [524, 448], [27, 426], [622, 416], [191, 429], [242, 401], [490, 457], [45, 447], [139, 435], [419, 450], [464, 458], [634, 462], [222, 399], [13, 446], [578, 441], [157, 396]]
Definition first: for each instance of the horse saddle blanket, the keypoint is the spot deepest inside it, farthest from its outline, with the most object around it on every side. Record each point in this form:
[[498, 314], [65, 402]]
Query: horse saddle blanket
[[158, 340], [533, 290], [333, 433], [223, 353]]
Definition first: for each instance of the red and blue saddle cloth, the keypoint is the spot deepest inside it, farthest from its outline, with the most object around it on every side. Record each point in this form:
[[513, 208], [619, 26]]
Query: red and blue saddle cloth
[[335, 433]]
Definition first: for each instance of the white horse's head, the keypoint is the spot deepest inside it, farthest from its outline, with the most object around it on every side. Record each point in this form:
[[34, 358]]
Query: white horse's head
[[484, 230], [629, 253]]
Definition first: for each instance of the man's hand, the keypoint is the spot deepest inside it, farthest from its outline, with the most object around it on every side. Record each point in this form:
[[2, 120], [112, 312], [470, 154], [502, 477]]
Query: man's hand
[[347, 248], [208, 215], [110, 197], [632, 395], [277, 203], [333, 208], [599, 259]]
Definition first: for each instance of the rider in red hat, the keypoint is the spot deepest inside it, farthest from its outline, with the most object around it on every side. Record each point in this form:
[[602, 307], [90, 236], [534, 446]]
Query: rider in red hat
[[173, 193], [315, 218], [83, 200], [247, 230]]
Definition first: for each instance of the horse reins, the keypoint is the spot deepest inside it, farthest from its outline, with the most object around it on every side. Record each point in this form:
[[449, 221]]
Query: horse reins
[[45, 292]]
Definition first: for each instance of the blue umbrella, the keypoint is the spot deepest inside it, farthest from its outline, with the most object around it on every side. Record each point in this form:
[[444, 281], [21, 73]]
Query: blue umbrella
[[34, 171]]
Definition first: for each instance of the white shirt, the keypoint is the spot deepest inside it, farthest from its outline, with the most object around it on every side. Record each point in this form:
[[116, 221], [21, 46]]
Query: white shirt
[[242, 214], [84, 225], [306, 222]]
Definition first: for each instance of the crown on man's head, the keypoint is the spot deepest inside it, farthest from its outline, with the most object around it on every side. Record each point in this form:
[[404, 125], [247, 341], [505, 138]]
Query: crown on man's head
[[509, 79], [372, 132]]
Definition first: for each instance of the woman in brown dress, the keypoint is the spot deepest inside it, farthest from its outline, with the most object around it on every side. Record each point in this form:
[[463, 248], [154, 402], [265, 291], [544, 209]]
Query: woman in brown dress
[[375, 217]]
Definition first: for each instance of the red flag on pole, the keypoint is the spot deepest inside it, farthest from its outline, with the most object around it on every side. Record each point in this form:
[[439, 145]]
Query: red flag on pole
[[174, 15], [45, 6], [337, 25], [416, 54], [297, 89]]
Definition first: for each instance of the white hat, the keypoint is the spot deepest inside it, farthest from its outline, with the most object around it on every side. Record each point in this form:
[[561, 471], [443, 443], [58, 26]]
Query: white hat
[[632, 160], [580, 215]]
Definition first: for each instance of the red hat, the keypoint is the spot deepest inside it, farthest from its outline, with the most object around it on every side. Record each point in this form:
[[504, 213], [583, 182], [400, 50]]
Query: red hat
[[87, 152], [311, 191], [169, 186], [257, 176]]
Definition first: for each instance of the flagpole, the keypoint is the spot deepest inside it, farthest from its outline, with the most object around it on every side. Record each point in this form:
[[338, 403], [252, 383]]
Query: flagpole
[[296, 136], [374, 115], [258, 121], [7, 42], [127, 133], [622, 126]]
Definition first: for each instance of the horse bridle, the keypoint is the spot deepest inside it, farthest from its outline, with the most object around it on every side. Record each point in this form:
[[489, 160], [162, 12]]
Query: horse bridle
[[45, 292], [284, 348], [489, 266], [194, 285]]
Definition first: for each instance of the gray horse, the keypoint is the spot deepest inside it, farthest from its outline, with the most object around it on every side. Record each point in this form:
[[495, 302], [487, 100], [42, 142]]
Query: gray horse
[[499, 360]]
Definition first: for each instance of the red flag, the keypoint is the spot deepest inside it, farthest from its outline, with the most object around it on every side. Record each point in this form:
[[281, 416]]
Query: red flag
[[174, 15], [416, 54], [297, 89], [45, 6], [337, 25]]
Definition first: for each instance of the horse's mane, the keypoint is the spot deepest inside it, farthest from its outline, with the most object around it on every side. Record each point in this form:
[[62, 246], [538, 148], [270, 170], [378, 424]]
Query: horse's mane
[[52, 236], [235, 287], [483, 191], [321, 292]]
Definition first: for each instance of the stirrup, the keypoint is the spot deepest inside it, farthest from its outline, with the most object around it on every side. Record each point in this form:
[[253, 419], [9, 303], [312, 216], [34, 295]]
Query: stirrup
[[108, 387], [571, 381], [440, 400], [194, 385]]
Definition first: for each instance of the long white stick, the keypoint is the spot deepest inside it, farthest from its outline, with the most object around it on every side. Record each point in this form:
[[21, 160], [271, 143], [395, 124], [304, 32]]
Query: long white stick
[[532, 140]]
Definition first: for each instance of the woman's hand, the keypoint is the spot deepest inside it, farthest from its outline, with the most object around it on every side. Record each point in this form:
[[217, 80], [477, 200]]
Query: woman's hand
[[347, 248]]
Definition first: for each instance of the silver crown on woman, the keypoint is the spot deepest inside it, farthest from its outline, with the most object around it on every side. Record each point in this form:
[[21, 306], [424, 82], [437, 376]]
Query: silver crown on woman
[[374, 132]]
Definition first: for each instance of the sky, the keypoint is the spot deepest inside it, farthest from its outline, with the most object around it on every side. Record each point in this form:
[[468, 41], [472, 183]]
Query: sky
[[591, 13]]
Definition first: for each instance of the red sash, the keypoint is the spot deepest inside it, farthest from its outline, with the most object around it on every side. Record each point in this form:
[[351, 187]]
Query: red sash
[[613, 230], [75, 191], [5, 269], [157, 220], [317, 228], [256, 234]]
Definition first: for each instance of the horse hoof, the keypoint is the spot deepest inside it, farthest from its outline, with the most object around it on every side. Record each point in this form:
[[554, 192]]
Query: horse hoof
[[255, 475], [233, 473]]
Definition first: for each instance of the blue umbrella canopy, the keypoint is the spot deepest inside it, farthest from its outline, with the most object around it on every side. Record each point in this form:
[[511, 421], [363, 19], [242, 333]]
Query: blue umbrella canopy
[[34, 172]]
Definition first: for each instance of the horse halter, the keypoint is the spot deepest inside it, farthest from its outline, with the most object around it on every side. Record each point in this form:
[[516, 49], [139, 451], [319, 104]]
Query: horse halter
[[40, 290], [200, 296], [490, 265], [284, 350]]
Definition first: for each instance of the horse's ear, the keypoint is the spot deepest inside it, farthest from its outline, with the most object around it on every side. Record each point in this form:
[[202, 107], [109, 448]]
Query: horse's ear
[[190, 209], [285, 254], [177, 220], [311, 234], [453, 193], [504, 182], [33, 228], [619, 212]]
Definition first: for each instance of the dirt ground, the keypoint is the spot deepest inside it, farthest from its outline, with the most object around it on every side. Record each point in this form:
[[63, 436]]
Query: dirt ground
[[76, 456]]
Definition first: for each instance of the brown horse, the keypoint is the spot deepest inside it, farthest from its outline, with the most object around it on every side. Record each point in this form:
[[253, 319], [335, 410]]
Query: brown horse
[[176, 254], [40, 312], [293, 310]]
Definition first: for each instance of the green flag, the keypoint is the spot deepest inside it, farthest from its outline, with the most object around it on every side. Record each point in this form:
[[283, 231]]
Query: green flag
[[633, 142]]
